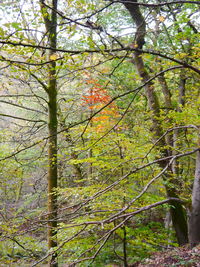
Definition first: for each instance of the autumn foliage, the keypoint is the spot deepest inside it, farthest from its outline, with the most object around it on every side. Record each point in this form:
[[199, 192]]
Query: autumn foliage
[[96, 98]]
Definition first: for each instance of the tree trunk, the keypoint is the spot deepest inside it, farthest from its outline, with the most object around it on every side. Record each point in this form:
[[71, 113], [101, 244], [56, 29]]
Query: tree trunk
[[177, 212], [52, 173], [179, 219], [194, 217], [50, 19]]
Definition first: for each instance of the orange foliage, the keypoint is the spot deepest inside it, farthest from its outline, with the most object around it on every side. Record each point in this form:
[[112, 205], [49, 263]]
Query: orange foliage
[[96, 98]]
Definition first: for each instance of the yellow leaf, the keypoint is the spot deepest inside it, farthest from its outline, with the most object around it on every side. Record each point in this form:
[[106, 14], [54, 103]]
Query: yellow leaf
[[161, 18], [53, 57]]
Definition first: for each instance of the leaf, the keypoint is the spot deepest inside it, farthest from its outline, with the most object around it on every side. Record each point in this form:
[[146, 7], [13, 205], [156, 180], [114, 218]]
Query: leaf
[[16, 25], [53, 57], [161, 18]]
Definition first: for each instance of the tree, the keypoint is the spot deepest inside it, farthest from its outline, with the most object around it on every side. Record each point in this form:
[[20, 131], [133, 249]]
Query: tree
[[194, 209], [177, 211], [50, 20]]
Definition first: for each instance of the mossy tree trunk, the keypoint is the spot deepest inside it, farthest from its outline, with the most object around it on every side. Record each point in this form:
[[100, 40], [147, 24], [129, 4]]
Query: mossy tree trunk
[[52, 172], [50, 19]]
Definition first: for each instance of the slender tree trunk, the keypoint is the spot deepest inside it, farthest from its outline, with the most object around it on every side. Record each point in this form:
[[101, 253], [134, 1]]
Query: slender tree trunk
[[76, 167], [52, 173], [177, 212], [50, 19], [194, 216], [125, 258], [125, 263], [182, 83], [90, 152]]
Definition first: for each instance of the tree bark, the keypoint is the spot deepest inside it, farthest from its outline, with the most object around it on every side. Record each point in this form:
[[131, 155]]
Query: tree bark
[[177, 212], [50, 19], [194, 216], [52, 172]]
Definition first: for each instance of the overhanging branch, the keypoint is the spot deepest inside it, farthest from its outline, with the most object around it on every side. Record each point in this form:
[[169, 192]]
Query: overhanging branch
[[95, 51]]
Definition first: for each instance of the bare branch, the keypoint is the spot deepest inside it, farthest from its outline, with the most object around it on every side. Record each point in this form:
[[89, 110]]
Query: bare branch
[[20, 118], [155, 5]]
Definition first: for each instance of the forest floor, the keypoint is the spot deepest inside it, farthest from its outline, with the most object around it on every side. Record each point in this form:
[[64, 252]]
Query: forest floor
[[182, 256]]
